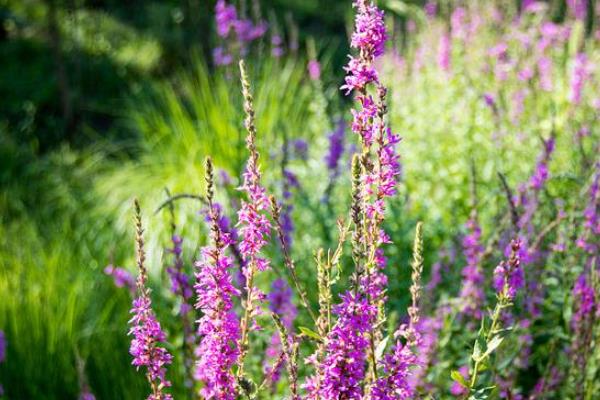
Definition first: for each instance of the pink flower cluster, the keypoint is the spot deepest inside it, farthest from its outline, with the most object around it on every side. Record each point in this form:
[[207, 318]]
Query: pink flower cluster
[[218, 327], [147, 334], [244, 32], [472, 296], [343, 369]]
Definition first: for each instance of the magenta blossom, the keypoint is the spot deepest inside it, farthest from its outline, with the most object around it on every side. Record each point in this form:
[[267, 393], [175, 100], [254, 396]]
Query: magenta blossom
[[280, 303], [445, 52], [509, 276], [225, 16], [343, 368], [579, 76], [219, 326], [394, 384], [472, 295], [147, 334], [121, 277], [314, 70]]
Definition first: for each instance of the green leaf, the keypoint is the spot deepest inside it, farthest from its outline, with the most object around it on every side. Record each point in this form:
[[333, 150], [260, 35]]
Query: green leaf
[[457, 376], [381, 347], [493, 345], [310, 333], [476, 351]]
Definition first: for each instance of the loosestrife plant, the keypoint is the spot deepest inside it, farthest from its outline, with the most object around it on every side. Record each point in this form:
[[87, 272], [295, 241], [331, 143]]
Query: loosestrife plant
[[145, 329], [356, 348]]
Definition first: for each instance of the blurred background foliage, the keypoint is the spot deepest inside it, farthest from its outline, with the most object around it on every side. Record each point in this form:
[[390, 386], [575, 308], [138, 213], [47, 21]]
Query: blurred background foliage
[[102, 101]]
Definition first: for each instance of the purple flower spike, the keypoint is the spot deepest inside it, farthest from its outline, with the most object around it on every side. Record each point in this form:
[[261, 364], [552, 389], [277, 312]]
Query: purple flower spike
[[578, 8], [314, 70], [147, 333], [397, 366], [585, 302], [280, 303], [219, 326], [508, 276], [121, 277], [343, 368], [2, 346], [336, 148], [369, 34], [145, 328], [579, 76], [591, 215], [430, 9], [472, 295], [445, 52], [180, 281], [225, 16]]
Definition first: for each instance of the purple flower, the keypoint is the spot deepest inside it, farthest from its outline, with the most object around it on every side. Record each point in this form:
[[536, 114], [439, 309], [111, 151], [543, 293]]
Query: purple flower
[[369, 38], [578, 8], [336, 148], [429, 329], [547, 384], [180, 281], [359, 75], [314, 70], [430, 9], [280, 303], [219, 326], [225, 16], [591, 215], [527, 5], [221, 57], [342, 370], [145, 329], [585, 310], [277, 49], [287, 224], [462, 27], [369, 33], [361, 121], [246, 31], [385, 179], [375, 283], [490, 100], [472, 295], [395, 383], [579, 76], [508, 276], [2, 346], [254, 225], [147, 334], [584, 302], [525, 74], [457, 389], [540, 176], [87, 396], [445, 52], [552, 34], [499, 51], [300, 148], [121, 277]]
